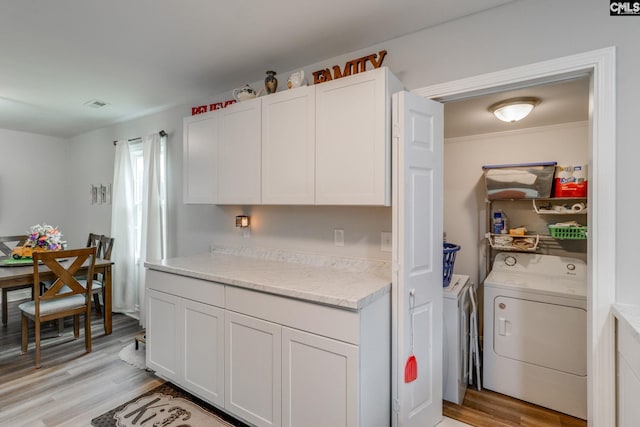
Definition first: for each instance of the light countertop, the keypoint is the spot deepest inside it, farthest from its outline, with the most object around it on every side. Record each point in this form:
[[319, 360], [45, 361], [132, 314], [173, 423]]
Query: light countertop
[[344, 283]]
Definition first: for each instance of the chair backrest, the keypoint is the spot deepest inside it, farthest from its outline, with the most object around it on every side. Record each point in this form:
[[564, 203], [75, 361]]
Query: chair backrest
[[6, 249], [65, 284], [93, 240], [105, 247]]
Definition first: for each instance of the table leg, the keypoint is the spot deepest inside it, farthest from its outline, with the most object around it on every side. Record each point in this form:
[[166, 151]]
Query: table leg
[[107, 300], [5, 307]]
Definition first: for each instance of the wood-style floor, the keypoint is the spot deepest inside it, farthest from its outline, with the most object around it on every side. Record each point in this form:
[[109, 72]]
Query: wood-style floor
[[72, 387], [488, 409]]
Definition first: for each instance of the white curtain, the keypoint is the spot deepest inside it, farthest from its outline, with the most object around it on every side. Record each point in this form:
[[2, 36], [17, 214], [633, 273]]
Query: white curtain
[[153, 224], [123, 226], [139, 229]]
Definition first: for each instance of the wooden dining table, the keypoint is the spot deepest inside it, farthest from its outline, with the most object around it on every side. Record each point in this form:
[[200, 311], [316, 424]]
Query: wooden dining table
[[13, 276]]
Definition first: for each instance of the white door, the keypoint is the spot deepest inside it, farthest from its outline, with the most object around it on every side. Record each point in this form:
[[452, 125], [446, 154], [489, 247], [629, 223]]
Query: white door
[[163, 344], [288, 147], [319, 381], [203, 359], [239, 153], [253, 369], [352, 140], [417, 259], [200, 158]]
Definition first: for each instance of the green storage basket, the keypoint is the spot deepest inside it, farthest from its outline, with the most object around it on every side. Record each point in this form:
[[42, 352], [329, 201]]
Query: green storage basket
[[568, 232]]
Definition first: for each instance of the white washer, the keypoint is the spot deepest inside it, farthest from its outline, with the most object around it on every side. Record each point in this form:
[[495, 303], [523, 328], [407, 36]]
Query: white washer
[[535, 330], [455, 346]]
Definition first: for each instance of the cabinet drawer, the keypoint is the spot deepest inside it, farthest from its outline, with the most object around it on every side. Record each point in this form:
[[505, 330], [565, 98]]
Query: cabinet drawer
[[186, 287], [319, 319]]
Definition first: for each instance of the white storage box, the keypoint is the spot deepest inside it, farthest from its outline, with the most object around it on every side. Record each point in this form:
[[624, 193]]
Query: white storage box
[[519, 181]]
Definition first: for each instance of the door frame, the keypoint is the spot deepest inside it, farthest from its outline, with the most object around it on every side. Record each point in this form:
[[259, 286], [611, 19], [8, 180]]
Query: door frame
[[599, 65]]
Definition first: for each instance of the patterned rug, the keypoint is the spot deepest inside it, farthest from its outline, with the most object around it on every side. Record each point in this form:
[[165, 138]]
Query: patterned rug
[[166, 406]]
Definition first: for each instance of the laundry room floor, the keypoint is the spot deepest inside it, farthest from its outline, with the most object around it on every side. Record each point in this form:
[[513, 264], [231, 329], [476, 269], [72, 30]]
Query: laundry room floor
[[489, 409]]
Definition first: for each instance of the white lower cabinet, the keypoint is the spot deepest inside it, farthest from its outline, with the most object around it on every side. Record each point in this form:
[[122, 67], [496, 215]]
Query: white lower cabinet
[[253, 369], [203, 361], [163, 354], [186, 344], [628, 381], [319, 381], [270, 360]]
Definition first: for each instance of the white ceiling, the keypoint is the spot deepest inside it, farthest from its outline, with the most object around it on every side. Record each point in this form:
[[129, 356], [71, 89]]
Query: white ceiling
[[143, 56], [561, 102]]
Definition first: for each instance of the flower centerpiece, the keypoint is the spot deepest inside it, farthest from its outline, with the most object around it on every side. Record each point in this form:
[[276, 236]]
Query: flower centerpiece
[[45, 237], [41, 238]]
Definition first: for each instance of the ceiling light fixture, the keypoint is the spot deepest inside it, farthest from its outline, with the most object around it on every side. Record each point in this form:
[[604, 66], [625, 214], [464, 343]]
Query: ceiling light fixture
[[514, 109]]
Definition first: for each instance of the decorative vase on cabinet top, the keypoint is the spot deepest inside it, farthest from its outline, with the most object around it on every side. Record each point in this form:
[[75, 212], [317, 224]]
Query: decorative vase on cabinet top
[[271, 82]]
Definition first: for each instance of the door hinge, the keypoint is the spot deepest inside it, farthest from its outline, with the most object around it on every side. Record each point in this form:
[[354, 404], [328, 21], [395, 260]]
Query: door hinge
[[396, 406], [395, 131], [395, 267]]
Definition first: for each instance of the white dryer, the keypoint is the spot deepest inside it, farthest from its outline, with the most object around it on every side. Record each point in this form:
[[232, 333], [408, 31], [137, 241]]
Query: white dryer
[[535, 330]]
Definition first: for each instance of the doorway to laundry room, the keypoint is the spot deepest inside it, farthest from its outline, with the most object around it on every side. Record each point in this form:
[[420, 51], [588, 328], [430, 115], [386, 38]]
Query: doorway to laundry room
[[557, 131], [599, 66]]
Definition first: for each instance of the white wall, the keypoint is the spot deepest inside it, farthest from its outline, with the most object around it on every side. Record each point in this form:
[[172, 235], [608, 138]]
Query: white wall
[[464, 187], [192, 228], [520, 33], [32, 182]]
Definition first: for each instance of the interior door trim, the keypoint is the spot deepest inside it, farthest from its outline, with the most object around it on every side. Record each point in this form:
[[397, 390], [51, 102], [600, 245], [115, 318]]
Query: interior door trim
[[600, 66]]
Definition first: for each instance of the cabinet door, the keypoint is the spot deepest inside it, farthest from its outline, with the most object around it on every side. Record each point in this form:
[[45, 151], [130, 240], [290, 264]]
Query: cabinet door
[[253, 357], [163, 343], [239, 153], [203, 367], [288, 147], [200, 158], [353, 140], [319, 381]]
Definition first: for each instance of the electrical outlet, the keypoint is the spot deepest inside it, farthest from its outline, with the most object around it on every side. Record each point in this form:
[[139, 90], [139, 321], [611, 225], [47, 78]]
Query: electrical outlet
[[338, 237], [385, 241]]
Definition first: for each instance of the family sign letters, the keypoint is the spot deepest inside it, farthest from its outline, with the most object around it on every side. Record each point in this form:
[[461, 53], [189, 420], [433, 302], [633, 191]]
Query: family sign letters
[[354, 66]]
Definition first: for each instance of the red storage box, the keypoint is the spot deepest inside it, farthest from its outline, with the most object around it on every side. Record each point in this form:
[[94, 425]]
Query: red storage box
[[570, 181]]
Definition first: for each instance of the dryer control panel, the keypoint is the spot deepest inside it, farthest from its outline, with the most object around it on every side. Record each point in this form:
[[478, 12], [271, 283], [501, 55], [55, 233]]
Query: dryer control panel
[[548, 265]]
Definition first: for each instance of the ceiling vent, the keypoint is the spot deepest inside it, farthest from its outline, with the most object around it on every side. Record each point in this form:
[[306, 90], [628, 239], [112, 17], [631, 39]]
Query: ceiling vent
[[95, 103]]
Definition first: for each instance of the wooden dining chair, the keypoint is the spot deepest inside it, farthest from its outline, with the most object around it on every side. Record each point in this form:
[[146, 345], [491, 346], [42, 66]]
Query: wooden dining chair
[[65, 297], [7, 243], [105, 246], [94, 240]]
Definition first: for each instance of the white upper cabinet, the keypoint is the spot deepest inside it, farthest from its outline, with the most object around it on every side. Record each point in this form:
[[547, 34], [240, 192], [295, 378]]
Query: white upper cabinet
[[353, 139], [239, 153], [288, 147], [327, 144], [200, 154]]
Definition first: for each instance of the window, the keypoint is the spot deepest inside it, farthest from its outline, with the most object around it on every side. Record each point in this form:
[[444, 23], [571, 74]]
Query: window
[[137, 159]]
